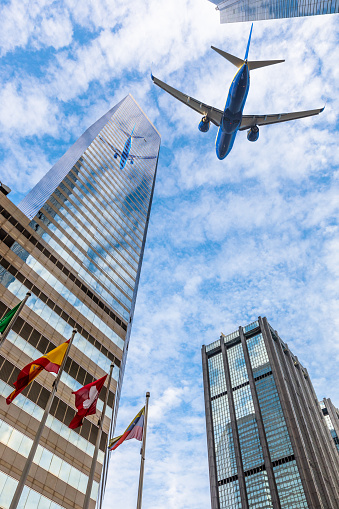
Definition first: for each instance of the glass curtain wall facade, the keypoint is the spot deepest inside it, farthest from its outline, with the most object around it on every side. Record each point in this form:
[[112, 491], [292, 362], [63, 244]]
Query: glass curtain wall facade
[[233, 11], [331, 416], [268, 446], [76, 241]]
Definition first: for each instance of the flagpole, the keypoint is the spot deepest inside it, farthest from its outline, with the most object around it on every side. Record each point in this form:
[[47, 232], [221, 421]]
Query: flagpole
[[103, 479], [12, 322], [29, 461], [97, 444], [142, 452]]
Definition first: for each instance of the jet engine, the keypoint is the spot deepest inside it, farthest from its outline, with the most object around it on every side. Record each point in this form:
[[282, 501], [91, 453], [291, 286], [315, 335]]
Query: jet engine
[[204, 124], [253, 133]]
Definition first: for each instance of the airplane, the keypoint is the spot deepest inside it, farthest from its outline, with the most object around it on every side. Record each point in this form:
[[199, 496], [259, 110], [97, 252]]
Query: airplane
[[232, 120], [125, 153]]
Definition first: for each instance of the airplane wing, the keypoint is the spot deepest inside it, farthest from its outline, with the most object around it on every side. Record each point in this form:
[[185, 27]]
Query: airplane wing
[[132, 135], [131, 156], [212, 113], [115, 149], [249, 121]]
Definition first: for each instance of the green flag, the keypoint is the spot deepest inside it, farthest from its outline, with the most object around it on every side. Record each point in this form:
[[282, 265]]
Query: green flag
[[7, 318]]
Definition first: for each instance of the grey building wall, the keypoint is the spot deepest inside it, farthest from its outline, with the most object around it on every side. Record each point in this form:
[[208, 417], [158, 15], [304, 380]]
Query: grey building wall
[[271, 446], [76, 242], [233, 11]]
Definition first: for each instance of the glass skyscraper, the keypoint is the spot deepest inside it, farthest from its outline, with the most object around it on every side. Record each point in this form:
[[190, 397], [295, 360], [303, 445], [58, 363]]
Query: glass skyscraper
[[268, 443], [232, 11], [76, 241]]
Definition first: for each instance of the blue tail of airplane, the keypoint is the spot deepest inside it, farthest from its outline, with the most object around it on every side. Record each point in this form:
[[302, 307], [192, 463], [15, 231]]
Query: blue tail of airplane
[[252, 64], [248, 44]]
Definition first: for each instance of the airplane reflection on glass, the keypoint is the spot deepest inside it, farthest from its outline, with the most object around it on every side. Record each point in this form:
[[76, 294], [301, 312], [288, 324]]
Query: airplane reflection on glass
[[232, 120], [125, 154]]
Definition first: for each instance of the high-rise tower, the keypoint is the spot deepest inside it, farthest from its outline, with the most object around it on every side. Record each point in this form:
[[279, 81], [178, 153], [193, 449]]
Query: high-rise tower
[[76, 241], [268, 443], [233, 11]]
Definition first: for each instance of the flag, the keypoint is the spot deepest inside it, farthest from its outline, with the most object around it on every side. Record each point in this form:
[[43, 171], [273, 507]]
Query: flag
[[8, 317], [86, 401], [134, 430], [50, 362]]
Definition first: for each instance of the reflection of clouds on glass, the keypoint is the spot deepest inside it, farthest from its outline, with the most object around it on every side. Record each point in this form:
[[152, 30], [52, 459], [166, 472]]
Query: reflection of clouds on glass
[[243, 402], [237, 365], [216, 375], [257, 488], [258, 355], [90, 256], [70, 297], [225, 456]]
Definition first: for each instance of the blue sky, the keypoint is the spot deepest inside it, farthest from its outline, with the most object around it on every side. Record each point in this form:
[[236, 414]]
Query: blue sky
[[255, 234]]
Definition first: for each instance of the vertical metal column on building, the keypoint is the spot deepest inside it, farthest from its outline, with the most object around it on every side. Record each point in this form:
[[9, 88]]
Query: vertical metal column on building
[[260, 423], [321, 437], [331, 410], [235, 433], [334, 418], [306, 474], [310, 418], [210, 434], [317, 430]]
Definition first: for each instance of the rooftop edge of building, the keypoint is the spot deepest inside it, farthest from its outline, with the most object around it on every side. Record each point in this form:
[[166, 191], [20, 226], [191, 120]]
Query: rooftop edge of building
[[251, 329]]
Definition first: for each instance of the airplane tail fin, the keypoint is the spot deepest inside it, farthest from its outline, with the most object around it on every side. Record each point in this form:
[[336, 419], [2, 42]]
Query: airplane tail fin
[[248, 43], [238, 62], [252, 64]]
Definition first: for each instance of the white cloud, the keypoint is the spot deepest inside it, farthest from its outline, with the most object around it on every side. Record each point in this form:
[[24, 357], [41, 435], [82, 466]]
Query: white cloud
[[26, 112], [37, 22]]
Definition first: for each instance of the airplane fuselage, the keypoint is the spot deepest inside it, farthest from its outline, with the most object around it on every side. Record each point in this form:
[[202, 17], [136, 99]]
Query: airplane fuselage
[[232, 116], [125, 152]]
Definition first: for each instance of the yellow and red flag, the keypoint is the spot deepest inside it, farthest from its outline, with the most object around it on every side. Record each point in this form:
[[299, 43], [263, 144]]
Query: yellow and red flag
[[50, 362]]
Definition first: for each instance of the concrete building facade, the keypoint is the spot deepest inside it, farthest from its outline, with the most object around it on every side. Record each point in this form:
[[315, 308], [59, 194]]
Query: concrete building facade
[[233, 11], [268, 443], [76, 242]]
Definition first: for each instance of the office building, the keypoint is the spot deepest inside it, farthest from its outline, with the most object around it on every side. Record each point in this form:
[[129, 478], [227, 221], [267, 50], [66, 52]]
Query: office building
[[76, 241], [233, 11], [331, 416], [268, 443]]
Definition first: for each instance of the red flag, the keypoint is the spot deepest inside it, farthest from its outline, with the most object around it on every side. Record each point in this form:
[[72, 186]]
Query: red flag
[[86, 401]]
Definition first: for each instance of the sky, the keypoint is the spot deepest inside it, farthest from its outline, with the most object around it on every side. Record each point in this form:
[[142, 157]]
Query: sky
[[255, 234]]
